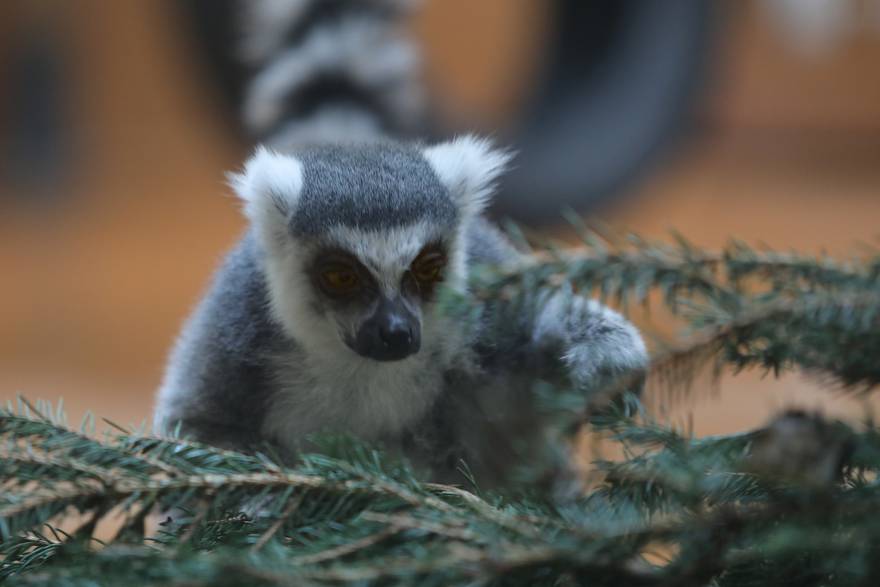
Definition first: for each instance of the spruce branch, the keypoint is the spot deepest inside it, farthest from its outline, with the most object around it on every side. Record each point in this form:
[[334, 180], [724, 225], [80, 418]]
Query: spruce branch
[[742, 308], [790, 503], [404, 531]]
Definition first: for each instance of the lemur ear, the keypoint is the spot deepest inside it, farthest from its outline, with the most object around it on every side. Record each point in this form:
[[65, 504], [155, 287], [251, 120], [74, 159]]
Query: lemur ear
[[270, 186], [468, 166], [270, 181]]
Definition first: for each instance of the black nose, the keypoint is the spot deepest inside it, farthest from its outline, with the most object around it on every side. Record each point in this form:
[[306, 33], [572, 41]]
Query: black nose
[[391, 333], [395, 336]]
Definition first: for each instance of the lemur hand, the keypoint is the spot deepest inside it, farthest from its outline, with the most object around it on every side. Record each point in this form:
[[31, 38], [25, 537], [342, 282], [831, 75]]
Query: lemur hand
[[594, 344]]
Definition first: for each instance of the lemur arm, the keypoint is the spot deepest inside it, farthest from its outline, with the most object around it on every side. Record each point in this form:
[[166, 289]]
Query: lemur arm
[[566, 339], [593, 344]]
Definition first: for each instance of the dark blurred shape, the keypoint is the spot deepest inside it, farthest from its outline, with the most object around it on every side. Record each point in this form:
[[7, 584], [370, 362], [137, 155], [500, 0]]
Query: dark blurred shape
[[36, 145], [801, 447], [214, 28], [621, 80]]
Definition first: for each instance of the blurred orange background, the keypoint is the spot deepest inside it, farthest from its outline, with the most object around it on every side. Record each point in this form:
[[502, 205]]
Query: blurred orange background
[[97, 279]]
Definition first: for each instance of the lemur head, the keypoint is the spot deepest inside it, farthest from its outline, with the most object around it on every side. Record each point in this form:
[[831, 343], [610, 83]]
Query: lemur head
[[357, 239]]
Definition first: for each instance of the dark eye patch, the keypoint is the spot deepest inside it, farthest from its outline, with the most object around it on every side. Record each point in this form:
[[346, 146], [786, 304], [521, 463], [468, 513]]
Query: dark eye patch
[[427, 270], [340, 276]]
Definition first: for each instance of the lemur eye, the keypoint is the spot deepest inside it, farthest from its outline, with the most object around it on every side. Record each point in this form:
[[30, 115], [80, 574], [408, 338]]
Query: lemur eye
[[341, 279], [428, 273], [428, 266]]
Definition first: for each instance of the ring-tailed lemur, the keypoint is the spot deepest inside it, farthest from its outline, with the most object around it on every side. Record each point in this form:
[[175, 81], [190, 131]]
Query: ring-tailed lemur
[[323, 317]]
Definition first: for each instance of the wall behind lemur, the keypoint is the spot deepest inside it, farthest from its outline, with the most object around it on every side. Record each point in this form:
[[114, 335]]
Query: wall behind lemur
[[102, 263]]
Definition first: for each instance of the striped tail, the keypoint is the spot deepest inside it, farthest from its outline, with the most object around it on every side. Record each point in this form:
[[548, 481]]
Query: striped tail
[[330, 71]]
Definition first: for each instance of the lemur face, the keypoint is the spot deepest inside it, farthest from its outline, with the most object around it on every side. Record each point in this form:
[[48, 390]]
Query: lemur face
[[378, 304], [357, 239]]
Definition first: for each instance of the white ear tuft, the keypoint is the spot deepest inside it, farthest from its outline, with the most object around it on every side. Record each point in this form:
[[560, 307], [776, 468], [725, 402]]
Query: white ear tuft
[[468, 166], [269, 186], [268, 179]]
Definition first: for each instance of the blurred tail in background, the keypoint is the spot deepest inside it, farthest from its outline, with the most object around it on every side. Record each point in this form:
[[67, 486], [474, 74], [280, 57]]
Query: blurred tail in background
[[329, 71]]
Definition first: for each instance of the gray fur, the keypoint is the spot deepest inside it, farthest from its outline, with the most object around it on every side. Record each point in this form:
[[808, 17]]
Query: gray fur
[[219, 379], [370, 187]]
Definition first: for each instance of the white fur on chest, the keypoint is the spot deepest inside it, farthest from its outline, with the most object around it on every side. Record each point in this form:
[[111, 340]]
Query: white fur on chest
[[368, 399]]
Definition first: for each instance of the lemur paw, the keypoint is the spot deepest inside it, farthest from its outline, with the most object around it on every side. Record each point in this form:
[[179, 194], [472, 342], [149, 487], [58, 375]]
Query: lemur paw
[[595, 345]]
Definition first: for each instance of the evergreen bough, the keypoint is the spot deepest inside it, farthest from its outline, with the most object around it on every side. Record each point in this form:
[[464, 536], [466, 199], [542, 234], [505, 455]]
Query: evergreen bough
[[793, 503]]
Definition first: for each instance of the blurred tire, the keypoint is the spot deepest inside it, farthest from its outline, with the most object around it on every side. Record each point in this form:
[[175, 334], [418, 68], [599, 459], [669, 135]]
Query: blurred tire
[[621, 80]]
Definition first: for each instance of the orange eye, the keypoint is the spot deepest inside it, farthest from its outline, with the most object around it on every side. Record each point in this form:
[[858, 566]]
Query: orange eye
[[341, 279], [428, 267], [427, 274]]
